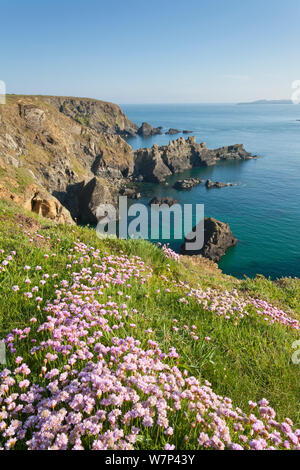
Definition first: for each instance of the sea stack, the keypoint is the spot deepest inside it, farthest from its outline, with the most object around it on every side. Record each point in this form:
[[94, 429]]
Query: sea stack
[[217, 239]]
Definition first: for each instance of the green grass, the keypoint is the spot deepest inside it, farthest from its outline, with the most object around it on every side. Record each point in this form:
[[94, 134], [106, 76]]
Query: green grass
[[245, 360]]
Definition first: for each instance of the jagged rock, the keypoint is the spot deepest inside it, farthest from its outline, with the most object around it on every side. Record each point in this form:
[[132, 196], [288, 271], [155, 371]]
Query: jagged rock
[[34, 116], [182, 154], [97, 191], [187, 183], [163, 200], [217, 239], [147, 130], [217, 184], [35, 199], [49, 207], [172, 131], [149, 165]]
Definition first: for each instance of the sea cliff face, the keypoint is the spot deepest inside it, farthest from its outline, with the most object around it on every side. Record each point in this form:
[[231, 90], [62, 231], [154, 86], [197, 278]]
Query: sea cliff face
[[43, 137]]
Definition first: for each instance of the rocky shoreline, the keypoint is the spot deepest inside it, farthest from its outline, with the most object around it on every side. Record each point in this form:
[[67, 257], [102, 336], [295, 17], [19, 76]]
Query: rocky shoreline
[[218, 238], [72, 155]]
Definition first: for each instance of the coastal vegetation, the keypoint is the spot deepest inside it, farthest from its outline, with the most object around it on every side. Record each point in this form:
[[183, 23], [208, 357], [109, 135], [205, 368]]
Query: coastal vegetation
[[115, 344]]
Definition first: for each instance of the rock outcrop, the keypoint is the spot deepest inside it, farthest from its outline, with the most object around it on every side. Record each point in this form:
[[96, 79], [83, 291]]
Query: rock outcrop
[[186, 184], [150, 165], [156, 163], [218, 238], [163, 200], [217, 184], [146, 130], [172, 131]]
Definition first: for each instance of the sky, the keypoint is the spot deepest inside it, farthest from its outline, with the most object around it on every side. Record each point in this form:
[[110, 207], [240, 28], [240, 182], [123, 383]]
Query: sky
[[166, 51]]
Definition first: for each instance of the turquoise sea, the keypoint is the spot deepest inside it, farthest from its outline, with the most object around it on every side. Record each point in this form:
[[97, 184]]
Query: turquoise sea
[[263, 210]]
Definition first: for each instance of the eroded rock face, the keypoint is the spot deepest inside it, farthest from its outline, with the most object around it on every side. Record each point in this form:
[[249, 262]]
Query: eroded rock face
[[218, 238], [97, 191], [38, 200], [150, 165], [49, 207], [157, 163], [34, 116]]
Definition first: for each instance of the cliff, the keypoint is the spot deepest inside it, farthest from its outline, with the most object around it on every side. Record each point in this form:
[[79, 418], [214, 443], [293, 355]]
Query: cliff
[[61, 151]]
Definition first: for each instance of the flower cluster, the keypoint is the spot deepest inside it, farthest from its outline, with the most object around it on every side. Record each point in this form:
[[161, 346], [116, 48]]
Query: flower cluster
[[88, 384], [231, 305], [169, 253]]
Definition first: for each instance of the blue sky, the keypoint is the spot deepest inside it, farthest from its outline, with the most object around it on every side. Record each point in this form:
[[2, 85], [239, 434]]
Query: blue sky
[[151, 52]]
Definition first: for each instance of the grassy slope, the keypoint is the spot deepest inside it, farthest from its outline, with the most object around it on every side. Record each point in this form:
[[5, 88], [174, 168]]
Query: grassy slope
[[247, 360]]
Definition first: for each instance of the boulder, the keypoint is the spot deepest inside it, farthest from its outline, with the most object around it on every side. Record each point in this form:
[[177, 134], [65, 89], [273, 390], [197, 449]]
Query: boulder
[[217, 239]]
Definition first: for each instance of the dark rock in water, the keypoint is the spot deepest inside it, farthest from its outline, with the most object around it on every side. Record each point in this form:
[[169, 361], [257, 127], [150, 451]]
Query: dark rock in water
[[147, 130], [131, 193], [172, 131], [217, 239], [217, 184], [187, 183], [156, 163], [187, 132], [163, 200]]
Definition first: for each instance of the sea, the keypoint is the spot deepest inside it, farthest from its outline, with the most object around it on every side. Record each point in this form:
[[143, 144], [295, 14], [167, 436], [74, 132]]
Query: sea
[[263, 209]]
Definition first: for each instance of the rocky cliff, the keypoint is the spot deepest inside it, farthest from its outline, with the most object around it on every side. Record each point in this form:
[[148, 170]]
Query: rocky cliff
[[44, 138], [72, 149], [156, 163]]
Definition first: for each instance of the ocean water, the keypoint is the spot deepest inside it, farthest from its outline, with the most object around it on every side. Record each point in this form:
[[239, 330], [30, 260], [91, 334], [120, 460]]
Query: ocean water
[[263, 210]]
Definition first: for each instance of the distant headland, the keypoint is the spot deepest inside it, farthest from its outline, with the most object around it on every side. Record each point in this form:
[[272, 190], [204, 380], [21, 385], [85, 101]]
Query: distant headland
[[268, 102]]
